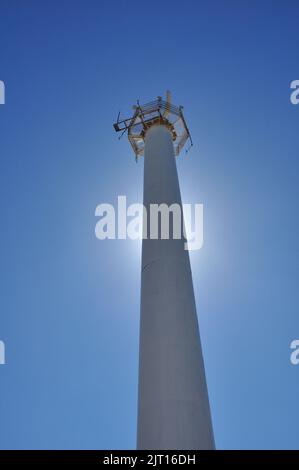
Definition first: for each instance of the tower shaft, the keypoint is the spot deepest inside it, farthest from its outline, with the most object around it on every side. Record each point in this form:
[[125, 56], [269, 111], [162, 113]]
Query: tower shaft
[[173, 405]]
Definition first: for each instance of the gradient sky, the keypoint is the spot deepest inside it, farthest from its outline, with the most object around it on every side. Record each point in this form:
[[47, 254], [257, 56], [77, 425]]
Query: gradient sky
[[70, 303]]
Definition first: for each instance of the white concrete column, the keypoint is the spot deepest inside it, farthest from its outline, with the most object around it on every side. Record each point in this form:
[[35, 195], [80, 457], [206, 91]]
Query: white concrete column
[[173, 405]]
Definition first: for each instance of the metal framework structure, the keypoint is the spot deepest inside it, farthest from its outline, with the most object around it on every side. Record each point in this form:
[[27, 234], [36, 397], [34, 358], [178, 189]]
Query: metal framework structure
[[154, 112]]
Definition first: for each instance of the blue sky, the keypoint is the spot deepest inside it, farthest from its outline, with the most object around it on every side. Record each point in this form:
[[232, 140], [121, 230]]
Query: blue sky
[[69, 302]]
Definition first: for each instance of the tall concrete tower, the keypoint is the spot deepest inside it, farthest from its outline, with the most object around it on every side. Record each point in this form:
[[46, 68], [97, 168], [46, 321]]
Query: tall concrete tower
[[173, 404]]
